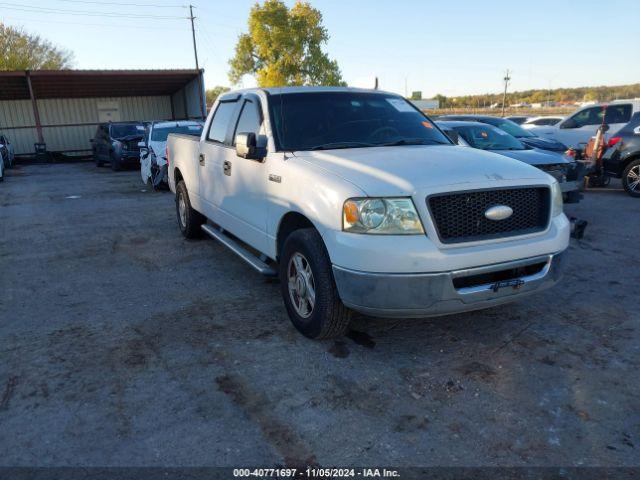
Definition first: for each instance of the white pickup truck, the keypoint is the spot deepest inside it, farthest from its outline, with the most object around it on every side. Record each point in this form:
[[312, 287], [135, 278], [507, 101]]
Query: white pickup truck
[[357, 201]]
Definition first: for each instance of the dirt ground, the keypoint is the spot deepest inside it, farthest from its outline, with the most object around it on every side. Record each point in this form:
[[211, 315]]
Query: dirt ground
[[123, 344]]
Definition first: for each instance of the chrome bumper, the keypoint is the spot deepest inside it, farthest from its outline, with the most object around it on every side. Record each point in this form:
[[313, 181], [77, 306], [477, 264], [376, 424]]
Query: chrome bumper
[[433, 294]]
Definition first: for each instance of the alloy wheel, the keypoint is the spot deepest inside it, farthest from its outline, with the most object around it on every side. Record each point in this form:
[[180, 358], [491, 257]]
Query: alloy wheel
[[633, 179], [302, 288], [182, 210]]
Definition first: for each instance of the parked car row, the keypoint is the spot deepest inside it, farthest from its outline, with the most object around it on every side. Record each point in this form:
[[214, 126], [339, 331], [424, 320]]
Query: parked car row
[[492, 139], [122, 144]]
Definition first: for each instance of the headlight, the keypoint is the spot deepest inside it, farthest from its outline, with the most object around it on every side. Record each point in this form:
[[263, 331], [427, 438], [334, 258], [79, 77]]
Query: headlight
[[382, 216], [556, 199]]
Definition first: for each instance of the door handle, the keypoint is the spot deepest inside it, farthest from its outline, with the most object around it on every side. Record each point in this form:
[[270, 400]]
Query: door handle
[[226, 167], [201, 159]]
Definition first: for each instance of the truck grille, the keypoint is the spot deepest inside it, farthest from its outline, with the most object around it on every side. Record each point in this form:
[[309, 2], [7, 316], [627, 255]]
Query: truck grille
[[132, 145], [459, 217]]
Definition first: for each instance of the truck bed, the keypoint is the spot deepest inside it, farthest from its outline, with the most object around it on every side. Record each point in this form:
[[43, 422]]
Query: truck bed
[[183, 154]]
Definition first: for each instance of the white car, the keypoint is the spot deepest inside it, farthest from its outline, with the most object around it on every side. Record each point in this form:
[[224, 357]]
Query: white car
[[358, 201], [9, 150], [535, 122], [576, 130], [153, 161]]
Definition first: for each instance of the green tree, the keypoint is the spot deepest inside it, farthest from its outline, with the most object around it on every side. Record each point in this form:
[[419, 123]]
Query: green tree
[[22, 51], [214, 93], [443, 101], [284, 47]]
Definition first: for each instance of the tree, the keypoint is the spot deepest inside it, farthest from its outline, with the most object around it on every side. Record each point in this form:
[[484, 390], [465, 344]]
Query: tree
[[284, 47], [22, 51], [443, 101], [214, 93]]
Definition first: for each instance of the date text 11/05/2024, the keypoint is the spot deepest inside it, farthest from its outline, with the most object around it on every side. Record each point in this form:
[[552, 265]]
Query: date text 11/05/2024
[[312, 472]]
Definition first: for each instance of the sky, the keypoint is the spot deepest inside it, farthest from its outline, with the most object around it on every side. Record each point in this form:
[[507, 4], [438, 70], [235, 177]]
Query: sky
[[452, 48]]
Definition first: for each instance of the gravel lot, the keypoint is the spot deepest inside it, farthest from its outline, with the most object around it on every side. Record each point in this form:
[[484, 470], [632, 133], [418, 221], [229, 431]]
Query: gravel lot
[[124, 344]]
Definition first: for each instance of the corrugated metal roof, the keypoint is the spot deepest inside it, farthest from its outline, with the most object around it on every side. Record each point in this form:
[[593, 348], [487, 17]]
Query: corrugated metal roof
[[93, 83]]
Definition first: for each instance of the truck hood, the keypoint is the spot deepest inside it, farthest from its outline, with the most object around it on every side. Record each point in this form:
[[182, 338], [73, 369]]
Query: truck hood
[[403, 170]]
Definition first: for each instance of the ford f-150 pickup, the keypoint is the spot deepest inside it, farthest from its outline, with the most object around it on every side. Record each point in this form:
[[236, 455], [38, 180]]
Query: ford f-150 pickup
[[357, 201]]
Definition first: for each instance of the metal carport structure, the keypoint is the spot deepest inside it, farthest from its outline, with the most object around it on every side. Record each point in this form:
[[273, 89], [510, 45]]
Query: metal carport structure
[[62, 108]]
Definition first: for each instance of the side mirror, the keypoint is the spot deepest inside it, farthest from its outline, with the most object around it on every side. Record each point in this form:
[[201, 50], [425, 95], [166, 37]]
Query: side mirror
[[144, 151], [247, 146], [605, 128]]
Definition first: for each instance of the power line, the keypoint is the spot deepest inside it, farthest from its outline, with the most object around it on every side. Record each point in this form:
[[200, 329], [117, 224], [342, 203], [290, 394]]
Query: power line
[[124, 4], [55, 11], [82, 24]]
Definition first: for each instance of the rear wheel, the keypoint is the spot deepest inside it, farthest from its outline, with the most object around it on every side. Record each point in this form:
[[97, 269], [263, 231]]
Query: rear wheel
[[189, 220], [308, 287], [631, 178]]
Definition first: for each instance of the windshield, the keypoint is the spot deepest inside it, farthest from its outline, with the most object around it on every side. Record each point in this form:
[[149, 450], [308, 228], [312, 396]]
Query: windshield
[[486, 137], [160, 134], [329, 120], [125, 130], [508, 126]]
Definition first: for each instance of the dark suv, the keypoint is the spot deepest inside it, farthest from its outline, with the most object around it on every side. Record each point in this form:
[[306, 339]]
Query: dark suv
[[117, 144], [622, 158]]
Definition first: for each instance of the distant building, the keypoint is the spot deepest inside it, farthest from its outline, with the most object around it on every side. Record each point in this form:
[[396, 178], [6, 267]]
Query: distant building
[[544, 104], [426, 104]]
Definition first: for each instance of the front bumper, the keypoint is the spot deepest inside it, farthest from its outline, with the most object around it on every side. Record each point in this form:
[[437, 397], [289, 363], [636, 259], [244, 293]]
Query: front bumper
[[130, 155], [433, 294]]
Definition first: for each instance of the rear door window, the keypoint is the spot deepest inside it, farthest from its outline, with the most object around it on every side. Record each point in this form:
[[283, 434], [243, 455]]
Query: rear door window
[[618, 113], [220, 122], [589, 116]]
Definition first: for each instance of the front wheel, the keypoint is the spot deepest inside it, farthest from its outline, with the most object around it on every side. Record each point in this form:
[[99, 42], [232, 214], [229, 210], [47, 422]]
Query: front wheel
[[631, 178], [189, 220], [308, 287]]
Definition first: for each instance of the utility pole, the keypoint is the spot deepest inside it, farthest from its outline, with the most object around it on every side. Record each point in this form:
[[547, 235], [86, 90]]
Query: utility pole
[[504, 95], [203, 107]]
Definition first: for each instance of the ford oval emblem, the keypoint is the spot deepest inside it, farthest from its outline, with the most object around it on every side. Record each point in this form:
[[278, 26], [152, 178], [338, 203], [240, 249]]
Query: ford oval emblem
[[498, 212]]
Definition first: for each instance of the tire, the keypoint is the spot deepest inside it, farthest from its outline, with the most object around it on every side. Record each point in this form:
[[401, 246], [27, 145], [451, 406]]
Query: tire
[[327, 317], [189, 220], [631, 178], [115, 162]]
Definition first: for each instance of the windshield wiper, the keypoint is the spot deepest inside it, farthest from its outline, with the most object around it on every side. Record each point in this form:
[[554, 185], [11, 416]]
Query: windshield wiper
[[336, 145], [412, 141]]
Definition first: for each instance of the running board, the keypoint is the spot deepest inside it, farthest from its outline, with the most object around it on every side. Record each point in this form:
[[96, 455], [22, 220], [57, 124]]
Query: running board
[[239, 250]]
